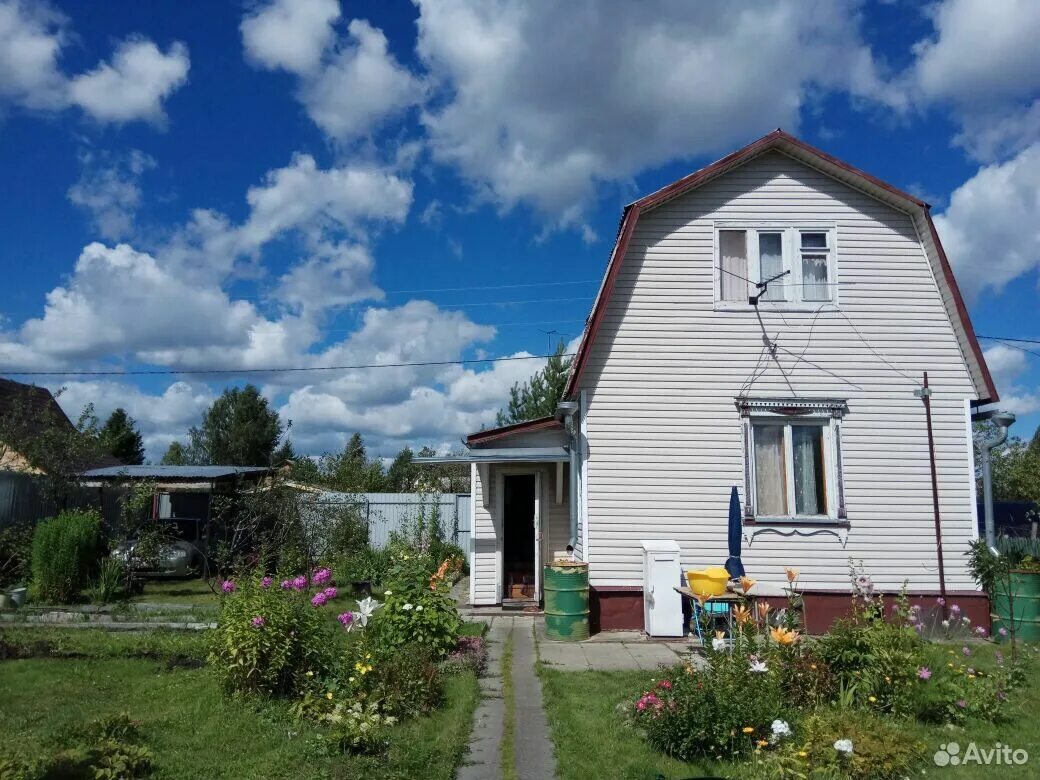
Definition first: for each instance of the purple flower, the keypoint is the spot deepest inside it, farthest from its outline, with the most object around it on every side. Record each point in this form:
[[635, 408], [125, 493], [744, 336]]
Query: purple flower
[[961, 703], [941, 602], [955, 609], [980, 631], [966, 650], [346, 618], [258, 621], [227, 586], [1002, 631], [924, 673], [286, 584], [321, 576], [319, 600], [266, 582], [330, 593], [299, 583], [919, 627]]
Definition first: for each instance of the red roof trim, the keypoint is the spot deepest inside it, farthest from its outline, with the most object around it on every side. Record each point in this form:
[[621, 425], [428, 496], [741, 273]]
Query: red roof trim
[[962, 310], [542, 423], [765, 143]]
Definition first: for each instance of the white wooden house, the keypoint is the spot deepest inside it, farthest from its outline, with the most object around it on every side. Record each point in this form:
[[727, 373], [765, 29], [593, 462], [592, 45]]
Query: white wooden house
[[682, 388]]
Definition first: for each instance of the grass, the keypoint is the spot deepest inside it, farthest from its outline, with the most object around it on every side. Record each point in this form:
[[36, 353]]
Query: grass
[[189, 592], [191, 728], [509, 720], [584, 721]]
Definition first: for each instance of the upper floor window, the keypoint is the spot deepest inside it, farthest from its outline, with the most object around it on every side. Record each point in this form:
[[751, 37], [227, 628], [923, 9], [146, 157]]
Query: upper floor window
[[800, 261]]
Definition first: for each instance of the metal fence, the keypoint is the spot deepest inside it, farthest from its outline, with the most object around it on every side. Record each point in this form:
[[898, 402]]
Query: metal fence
[[386, 513]]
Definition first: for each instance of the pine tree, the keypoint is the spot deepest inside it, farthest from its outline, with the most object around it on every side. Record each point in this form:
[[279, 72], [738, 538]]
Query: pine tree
[[400, 477], [541, 394], [239, 429], [119, 437], [284, 454], [175, 455]]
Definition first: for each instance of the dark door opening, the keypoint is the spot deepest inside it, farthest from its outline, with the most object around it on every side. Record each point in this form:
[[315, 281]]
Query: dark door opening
[[518, 536]]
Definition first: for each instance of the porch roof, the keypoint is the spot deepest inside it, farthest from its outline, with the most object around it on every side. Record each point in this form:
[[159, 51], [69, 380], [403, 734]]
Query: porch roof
[[503, 455]]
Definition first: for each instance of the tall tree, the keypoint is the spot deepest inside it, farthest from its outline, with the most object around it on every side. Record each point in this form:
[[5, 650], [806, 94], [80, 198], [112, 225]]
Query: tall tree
[[284, 455], [176, 455], [401, 476], [351, 471], [120, 438], [541, 394], [239, 429]]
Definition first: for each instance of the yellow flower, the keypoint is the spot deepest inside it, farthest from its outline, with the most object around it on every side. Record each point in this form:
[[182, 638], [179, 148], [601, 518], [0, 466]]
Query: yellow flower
[[971, 677], [872, 699], [310, 674], [329, 695], [720, 634], [783, 636], [813, 667], [762, 609], [746, 583], [367, 656], [748, 730], [802, 753], [742, 614], [950, 665], [792, 574], [888, 679], [762, 742]]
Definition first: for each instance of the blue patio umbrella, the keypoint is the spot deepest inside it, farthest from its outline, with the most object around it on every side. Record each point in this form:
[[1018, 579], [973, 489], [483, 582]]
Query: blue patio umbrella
[[733, 563]]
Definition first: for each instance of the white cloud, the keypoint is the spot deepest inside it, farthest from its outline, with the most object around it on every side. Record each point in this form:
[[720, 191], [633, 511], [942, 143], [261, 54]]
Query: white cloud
[[134, 85], [348, 86], [987, 229], [131, 87], [360, 86], [541, 100], [289, 34], [983, 61], [1008, 365], [108, 190], [334, 275]]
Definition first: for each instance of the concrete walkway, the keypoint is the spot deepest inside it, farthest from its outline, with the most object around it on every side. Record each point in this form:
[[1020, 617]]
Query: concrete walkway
[[613, 651], [533, 750]]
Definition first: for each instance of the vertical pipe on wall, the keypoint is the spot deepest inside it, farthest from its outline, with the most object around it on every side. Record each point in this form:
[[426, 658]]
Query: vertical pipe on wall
[[926, 396]]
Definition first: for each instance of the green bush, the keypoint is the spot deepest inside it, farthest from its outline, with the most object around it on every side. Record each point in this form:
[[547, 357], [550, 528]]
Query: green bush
[[64, 555], [407, 681], [268, 639], [415, 611], [365, 565], [110, 582], [15, 554]]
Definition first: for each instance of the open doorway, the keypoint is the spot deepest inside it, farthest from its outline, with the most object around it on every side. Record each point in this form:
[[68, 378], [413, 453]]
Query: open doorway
[[518, 540]]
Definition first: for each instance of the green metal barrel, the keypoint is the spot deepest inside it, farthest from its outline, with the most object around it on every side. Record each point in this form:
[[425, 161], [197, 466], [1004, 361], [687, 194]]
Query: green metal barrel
[[567, 601], [1025, 591]]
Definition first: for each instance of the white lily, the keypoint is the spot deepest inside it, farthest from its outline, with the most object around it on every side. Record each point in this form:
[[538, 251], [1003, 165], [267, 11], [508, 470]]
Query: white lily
[[758, 667], [844, 746], [366, 607], [718, 644]]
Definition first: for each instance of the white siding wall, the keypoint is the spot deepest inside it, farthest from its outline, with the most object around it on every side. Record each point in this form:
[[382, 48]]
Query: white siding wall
[[486, 531], [664, 436]]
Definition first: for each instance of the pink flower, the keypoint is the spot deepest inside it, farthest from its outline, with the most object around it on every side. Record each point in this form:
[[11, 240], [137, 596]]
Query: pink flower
[[266, 582], [666, 684], [258, 621], [1002, 631], [286, 584], [966, 650], [980, 631], [924, 673], [961, 703], [227, 586], [321, 576], [641, 705], [346, 618], [319, 600], [330, 593], [955, 609], [299, 583], [941, 602]]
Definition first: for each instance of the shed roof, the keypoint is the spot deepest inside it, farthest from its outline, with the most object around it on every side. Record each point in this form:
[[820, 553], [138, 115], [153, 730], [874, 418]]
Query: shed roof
[[503, 455], [173, 472], [527, 426], [837, 169]]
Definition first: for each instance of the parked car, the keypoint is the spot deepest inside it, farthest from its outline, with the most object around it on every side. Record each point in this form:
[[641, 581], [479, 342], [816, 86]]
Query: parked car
[[177, 558]]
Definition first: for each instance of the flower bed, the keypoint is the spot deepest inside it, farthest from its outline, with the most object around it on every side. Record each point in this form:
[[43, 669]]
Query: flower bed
[[790, 706]]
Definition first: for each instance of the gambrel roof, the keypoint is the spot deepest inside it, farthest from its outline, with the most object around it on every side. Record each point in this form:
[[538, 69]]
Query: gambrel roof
[[778, 140]]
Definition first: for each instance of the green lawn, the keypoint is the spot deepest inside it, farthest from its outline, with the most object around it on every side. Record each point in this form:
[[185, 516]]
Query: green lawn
[[592, 741], [194, 592], [191, 728]]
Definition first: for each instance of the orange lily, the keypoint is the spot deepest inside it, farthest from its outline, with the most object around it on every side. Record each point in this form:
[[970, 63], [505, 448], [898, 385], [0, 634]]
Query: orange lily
[[742, 614], [792, 574], [762, 609], [746, 583], [783, 636]]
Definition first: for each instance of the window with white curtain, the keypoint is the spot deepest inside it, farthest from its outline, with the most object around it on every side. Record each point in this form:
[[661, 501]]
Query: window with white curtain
[[792, 462], [748, 254]]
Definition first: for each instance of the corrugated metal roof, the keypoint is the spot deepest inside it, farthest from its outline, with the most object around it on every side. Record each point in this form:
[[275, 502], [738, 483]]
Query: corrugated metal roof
[[173, 472], [504, 455]]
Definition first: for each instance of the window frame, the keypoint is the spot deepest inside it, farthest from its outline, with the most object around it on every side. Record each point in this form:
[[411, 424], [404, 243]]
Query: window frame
[[826, 414], [791, 247]]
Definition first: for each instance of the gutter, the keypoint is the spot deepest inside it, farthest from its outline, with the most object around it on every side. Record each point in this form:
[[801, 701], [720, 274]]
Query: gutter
[[566, 412], [1003, 421]]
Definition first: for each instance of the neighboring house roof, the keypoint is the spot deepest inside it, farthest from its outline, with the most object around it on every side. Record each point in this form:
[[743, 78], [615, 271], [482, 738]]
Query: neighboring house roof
[[41, 410], [503, 455], [187, 473], [783, 142], [528, 426]]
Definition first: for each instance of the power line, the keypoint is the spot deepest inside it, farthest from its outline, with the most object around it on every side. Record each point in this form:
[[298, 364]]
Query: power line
[[1008, 343], [168, 372], [1008, 338]]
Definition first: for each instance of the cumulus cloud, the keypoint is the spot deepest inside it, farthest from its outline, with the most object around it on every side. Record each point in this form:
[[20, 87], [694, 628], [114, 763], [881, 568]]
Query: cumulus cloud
[[1008, 366], [289, 34], [348, 86], [108, 189], [986, 228], [542, 100], [132, 86], [982, 59]]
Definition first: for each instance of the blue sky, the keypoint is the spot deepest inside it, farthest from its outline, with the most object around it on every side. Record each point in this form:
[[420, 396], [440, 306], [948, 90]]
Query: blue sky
[[271, 184]]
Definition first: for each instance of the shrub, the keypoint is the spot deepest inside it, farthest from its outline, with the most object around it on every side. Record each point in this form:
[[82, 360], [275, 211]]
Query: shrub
[[419, 613], [15, 554], [64, 553], [470, 653], [268, 638], [951, 687], [359, 728], [110, 582], [366, 565], [407, 681]]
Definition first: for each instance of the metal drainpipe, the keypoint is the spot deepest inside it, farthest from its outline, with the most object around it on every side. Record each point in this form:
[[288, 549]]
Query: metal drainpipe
[[1003, 420], [568, 409]]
